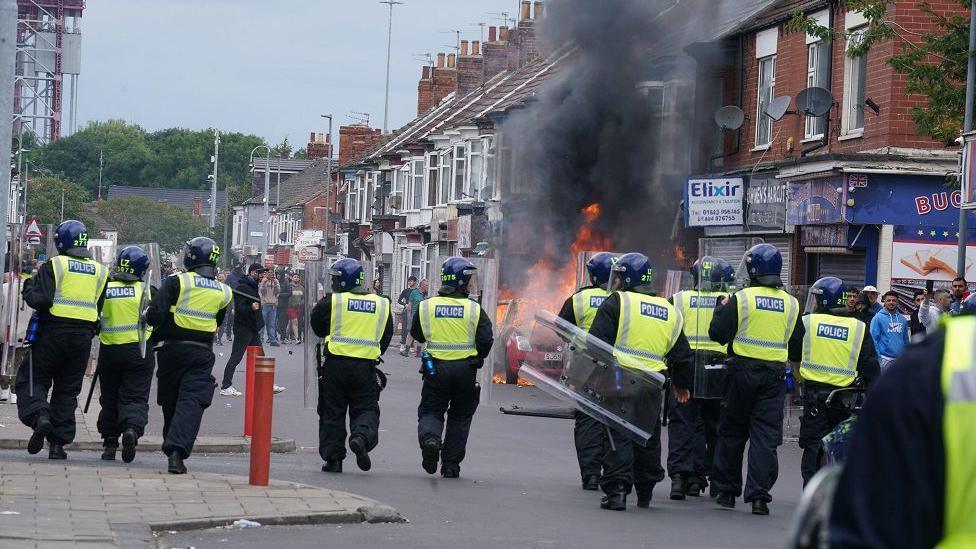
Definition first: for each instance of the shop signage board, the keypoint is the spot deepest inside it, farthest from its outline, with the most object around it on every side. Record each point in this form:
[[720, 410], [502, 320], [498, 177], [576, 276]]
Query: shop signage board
[[818, 201], [714, 201], [823, 235], [766, 205]]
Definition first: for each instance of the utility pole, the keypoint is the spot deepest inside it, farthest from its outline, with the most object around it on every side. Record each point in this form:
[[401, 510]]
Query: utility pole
[[213, 187], [328, 182], [267, 181], [8, 56], [967, 127], [389, 50], [100, 163]]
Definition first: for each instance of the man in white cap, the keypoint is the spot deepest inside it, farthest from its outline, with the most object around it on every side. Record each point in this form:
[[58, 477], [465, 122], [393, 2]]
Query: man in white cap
[[872, 294]]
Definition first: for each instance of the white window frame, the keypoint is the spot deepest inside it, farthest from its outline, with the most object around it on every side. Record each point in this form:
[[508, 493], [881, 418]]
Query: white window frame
[[475, 180], [415, 201], [491, 169], [445, 182], [762, 120], [352, 199], [853, 79], [408, 267], [431, 180], [813, 127], [459, 180]]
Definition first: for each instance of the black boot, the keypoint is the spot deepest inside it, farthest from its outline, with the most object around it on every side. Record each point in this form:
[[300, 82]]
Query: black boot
[[56, 451], [42, 428], [726, 500], [695, 486], [450, 470], [129, 441], [176, 466], [644, 493], [332, 466], [358, 446], [111, 446], [614, 501], [678, 487], [759, 507], [431, 451], [591, 483]]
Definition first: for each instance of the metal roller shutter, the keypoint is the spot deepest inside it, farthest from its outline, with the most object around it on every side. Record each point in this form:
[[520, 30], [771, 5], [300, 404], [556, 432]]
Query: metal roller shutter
[[847, 267], [732, 249]]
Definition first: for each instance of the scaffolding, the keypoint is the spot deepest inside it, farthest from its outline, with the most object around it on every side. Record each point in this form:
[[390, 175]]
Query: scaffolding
[[48, 58]]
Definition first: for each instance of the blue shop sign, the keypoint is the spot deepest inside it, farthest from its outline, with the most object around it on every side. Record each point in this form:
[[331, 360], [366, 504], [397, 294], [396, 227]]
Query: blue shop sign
[[904, 200]]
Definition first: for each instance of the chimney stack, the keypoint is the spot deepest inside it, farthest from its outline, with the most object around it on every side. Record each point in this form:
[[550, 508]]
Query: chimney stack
[[525, 11], [492, 34], [464, 48], [451, 60], [475, 47], [540, 10], [440, 60], [503, 34]]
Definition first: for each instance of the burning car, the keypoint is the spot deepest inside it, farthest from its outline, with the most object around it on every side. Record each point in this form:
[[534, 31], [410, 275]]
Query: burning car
[[524, 342]]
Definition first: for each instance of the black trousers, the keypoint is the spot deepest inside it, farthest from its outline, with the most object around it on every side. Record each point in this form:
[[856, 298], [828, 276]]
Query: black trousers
[[817, 420], [626, 463], [243, 338], [58, 360], [754, 405], [590, 437], [692, 434], [185, 390], [124, 380], [453, 390], [347, 386], [281, 321]]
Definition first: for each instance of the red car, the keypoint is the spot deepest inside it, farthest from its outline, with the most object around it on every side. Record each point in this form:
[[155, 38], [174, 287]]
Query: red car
[[531, 344]]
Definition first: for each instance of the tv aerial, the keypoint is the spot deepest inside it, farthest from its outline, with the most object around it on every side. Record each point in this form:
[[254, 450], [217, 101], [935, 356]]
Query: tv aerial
[[778, 107], [730, 117], [814, 101]]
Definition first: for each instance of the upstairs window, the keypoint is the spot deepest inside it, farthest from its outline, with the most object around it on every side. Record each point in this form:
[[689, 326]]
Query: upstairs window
[[767, 88], [855, 86], [432, 171], [818, 61]]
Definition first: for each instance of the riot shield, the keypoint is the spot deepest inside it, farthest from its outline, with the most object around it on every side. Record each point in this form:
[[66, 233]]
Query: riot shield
[[11, 323], [593, 382], [143, 324], [811, 523], [315, 285], [710, 366]]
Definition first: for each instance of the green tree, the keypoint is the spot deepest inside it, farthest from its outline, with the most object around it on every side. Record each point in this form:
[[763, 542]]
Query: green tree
[[44, 196], [300, 154], [139, 219], [282, 150], [934, 64]]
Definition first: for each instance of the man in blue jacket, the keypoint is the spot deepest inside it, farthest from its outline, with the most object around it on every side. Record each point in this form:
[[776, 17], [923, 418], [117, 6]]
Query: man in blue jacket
[[889, 330]]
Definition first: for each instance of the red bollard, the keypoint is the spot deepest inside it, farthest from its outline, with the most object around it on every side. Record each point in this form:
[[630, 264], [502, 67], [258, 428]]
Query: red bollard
[[252, 353], [264, 372]]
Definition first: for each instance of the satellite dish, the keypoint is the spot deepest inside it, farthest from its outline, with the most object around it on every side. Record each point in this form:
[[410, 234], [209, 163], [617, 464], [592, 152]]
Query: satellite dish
[[778, 106], [730, 117], [814, 101]]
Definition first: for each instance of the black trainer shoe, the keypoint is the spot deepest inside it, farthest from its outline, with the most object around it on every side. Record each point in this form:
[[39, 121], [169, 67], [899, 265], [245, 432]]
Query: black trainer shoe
[[694, 487], [678, 487], [332, 466], [726, 500], [108, 454], [358, 446], [450, 470], [431, 451], [644, 494], [617, 501], [591, 483], [176, 466], [759, 507], [57, 451], [42, 428], [129, 441]]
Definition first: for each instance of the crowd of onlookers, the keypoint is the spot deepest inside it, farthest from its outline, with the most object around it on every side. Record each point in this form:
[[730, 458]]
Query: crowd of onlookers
[[890, 329], [282, 296], [409, 300]]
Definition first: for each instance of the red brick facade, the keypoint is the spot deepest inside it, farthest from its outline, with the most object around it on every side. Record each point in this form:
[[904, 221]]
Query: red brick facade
[[356, 140], [893, 127]]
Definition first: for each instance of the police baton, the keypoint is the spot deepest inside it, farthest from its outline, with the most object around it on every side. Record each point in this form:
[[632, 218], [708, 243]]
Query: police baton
[[91, 391]]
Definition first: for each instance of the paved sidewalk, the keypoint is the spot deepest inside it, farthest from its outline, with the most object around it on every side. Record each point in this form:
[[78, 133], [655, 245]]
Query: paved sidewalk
[[14, 434], [44, 505]]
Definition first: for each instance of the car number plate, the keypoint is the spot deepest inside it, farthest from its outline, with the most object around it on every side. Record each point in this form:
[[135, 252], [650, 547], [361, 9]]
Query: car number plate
[[554, 356]]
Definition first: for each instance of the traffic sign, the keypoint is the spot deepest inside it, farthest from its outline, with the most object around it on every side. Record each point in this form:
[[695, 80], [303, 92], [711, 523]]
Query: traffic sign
[[32, 232], [310, 253]]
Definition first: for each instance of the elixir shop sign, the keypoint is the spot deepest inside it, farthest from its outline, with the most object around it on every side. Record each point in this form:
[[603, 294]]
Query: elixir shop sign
[[714, 202]]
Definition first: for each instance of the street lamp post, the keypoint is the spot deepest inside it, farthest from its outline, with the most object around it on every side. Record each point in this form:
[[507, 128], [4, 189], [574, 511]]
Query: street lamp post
[[213, 188], [266, 224], [328, 181], [967, 126], [389, 49]]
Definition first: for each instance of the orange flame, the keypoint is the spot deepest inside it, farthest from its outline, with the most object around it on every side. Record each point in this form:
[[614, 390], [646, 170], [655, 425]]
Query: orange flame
[[681, 257]]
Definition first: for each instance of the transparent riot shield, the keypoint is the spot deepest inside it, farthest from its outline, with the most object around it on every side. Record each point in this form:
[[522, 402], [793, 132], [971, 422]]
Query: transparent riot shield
[[12, 323], [315, 284], [811, 522], [485, 292], [625, 399], [711, 288]]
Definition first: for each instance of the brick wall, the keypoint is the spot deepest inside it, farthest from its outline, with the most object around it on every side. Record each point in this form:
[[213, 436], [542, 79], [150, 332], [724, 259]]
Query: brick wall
[[356, 140], [470, 68], [318, 146], [893, 127]]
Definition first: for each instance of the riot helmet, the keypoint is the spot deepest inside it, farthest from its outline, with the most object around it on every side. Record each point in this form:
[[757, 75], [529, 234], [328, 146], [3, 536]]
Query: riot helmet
[[827, 295], [457, 275], [131, 264], [598, 267], [712, 274], [200, 255], [631, 271], [71, 238], [763, 263], [347, 276]]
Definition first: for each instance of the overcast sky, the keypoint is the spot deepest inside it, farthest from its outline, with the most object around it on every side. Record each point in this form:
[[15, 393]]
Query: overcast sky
[[267, 67]]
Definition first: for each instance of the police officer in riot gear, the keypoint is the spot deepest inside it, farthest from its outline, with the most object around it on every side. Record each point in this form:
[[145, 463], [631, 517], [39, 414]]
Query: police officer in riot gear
[[357, 327], [693, 426], [762, 327], [837, 350], [645, 331], [579, 309], [907, 479], [67, 292], [457, 334], [124, 375], [185, 313]]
